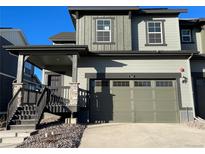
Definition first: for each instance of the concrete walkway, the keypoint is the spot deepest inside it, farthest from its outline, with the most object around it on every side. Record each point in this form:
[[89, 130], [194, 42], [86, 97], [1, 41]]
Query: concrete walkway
[[142, 136]]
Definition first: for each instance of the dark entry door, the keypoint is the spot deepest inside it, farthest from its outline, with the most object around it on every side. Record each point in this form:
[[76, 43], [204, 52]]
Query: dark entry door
[[54, 82], [200, 83]]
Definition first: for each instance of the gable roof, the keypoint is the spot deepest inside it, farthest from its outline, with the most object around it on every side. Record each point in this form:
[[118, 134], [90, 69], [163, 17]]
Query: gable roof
[[64, 37], [192, 22]]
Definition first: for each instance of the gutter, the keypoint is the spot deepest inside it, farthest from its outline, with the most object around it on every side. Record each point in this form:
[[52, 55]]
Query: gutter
[[191, 89]]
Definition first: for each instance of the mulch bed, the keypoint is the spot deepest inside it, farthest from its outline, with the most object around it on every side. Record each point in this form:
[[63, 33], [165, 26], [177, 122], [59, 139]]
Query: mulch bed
[[55, 136]]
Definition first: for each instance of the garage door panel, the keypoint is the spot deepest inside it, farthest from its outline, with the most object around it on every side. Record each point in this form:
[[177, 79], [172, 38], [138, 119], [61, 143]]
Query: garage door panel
[[122, 107], [144, 106], [166, 106], [136, 101], [165, 94], [144, 116], [142, 94], [122, 117], [167, 116]]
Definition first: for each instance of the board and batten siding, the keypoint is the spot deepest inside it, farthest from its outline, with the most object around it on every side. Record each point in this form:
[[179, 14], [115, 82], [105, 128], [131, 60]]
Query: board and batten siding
[[203, 39], [171, 33], [108, 65], [120, 33], [196, 44]]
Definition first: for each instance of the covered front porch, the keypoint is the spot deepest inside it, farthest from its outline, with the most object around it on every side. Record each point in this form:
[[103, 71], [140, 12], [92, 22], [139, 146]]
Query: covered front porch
[[61, 100]]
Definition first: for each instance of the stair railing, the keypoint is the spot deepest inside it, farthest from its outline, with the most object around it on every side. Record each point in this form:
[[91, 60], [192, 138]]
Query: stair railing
[[41, 103], [13, 106]]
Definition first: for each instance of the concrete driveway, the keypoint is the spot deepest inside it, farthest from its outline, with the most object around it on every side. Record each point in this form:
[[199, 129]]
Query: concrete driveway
[[142, 136]]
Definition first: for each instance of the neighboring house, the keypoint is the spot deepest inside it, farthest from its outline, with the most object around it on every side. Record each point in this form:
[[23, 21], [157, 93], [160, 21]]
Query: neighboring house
[[136, 65], [193, 38], [8, 66]]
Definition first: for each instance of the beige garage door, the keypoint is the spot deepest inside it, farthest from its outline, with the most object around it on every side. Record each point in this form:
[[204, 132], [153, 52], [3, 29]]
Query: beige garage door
[[134, 101]]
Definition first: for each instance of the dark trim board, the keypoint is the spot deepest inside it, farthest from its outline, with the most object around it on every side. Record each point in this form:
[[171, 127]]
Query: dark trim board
[[132, 75]]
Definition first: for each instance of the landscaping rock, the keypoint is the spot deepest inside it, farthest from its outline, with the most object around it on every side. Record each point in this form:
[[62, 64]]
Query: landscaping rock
[[57, 136], [197, 123]]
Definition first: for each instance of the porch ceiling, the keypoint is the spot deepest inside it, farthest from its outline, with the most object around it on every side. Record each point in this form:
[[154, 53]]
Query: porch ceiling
[[51, 57], [44, 61]]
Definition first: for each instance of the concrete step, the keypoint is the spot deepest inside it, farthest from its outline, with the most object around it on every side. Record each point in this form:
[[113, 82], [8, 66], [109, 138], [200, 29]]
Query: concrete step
[[12, 140], [8, 145], [17, 133], [28, 121], [22, 127]]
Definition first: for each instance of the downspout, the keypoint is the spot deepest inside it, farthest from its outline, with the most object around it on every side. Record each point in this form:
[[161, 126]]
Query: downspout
[[191, 88]]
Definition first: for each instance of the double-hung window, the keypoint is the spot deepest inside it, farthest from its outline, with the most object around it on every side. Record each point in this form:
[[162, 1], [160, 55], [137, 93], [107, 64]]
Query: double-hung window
[[154, 32], [186, 35], [103, 30]]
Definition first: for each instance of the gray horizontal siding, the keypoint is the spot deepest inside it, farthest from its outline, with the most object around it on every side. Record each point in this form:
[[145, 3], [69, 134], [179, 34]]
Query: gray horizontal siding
[[121, 33]]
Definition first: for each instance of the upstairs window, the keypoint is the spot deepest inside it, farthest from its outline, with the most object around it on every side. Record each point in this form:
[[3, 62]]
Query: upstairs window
[[103, 30], [186, 35], [154, 32]]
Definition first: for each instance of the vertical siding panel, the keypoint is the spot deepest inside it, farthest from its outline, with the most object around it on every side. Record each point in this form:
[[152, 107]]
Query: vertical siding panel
[[127, 32], [120, 32], [94, 46], [77, 31], [114, 47], [87, 30]]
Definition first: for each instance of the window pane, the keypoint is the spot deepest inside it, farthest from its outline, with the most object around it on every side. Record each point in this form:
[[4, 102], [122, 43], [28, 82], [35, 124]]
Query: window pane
[[185, 32], [107, 22], [155, 38], [100, 27], [100, 34], [157, 25], [107, 34], [158, 29], [107, 39], [186, 39], [100, 22], [151, 29], [151, 36], [151, 25]]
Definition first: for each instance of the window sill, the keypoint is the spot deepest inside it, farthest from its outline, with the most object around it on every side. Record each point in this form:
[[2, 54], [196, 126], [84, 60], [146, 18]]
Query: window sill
[[103, 42], [156, 44]]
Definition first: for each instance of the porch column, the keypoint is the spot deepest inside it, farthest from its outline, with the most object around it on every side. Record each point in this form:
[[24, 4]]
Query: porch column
[[20, 69], [75, 68], [19, 76], [73, 91]]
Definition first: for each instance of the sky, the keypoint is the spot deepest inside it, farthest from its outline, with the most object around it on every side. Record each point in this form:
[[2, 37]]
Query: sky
[[39, 23]]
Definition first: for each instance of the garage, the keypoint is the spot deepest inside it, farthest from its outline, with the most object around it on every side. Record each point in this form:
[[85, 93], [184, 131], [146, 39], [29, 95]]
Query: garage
[[134, 101]]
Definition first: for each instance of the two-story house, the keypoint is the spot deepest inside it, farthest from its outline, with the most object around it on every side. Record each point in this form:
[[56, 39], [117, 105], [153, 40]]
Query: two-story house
[[137, 65], [8, 66]]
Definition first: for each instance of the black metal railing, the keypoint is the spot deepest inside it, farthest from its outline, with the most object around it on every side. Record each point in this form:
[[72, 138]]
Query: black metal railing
[[83, 97], [41, 103], [13, 105]]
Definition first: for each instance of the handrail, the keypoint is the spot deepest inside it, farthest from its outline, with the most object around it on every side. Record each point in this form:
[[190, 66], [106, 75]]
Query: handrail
[[12, 107], [41, 103]]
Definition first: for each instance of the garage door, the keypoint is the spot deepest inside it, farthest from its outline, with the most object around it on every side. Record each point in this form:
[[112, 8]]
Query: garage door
[[134, 101]]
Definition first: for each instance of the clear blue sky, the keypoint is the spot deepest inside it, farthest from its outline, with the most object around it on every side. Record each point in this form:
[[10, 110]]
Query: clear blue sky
[[39, 23]]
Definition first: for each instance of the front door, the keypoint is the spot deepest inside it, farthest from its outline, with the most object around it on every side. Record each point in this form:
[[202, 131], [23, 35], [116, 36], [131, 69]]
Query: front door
[[54, 82]]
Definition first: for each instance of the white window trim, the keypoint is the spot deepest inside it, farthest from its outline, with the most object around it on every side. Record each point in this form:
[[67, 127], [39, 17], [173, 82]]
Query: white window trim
[[155, 32], [103, 30], [190, 39]]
